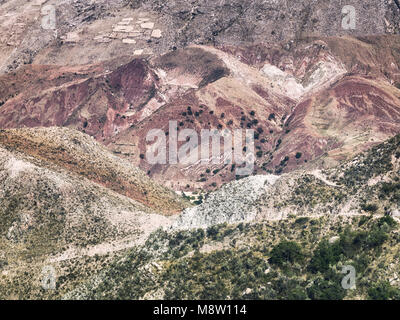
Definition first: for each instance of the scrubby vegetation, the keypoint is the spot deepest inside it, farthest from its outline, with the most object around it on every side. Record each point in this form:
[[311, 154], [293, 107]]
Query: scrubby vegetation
[[300, 258], [377, 161]]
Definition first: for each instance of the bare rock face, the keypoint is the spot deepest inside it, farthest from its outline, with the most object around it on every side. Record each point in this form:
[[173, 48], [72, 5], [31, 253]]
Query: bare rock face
[[340, 191]]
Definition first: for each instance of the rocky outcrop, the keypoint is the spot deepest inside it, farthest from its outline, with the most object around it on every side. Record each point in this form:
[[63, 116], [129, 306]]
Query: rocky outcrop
[[232, 203]]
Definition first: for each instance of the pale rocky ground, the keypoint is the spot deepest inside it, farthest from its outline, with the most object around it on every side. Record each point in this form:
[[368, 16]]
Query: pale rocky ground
[[85, 32], [232, 203]]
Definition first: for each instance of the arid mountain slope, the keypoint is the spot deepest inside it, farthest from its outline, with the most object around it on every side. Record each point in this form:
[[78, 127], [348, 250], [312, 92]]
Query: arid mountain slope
[[83, 82], [44, 208], [91, 102], [314, 101], [83, 156], [49, 216], [304, 101]]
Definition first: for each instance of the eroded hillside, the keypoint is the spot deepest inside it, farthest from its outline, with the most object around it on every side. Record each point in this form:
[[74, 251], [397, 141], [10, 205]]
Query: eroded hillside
[[343, 216], [310, 103]]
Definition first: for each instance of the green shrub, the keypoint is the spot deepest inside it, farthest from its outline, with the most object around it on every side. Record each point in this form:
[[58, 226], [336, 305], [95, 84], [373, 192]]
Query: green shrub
[[301, 220], [214, 232], [369, 207], [351, 242], [286, 252], [325, 256], [388, 220], [297, 293], [323, 289], [376, 238], [383, 291]]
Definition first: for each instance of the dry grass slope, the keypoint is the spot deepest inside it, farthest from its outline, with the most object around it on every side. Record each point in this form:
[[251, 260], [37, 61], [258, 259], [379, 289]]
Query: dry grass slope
[[80, 154]]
